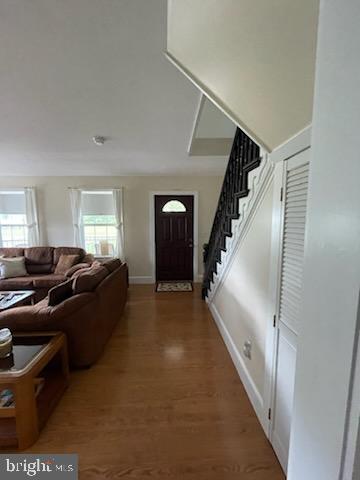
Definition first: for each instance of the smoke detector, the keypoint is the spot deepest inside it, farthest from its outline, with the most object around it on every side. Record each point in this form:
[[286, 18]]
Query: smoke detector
[[99, 140]]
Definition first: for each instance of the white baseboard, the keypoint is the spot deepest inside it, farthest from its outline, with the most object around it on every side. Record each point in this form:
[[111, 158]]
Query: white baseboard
[[148, 279], [143, 280], [244, 374]]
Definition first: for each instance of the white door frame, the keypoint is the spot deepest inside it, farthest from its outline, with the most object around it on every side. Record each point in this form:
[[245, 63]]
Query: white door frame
[[152, 195], [350, 465], [296, 145]]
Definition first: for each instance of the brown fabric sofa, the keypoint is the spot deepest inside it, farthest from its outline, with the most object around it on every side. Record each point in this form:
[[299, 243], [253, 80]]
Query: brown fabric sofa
[[40, 263], [87, 318]]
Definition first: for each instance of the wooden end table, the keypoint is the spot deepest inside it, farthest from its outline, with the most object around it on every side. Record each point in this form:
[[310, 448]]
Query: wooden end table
[[37, 373], [10, 299]]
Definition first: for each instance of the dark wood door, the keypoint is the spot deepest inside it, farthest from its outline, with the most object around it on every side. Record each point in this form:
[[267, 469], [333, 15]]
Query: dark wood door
[[174, 228]]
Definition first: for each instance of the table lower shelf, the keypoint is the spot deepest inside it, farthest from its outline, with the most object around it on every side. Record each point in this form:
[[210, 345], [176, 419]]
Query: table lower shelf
[[55, 383]]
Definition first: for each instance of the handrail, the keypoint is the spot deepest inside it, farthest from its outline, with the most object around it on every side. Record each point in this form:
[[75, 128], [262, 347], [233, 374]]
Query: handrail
[[244, 157]]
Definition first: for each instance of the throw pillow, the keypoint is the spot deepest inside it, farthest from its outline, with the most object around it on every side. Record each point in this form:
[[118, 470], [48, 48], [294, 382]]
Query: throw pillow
[[78, 266], [59, 293], [89, 280], [12, 267], [112, 264], [80, 271], [65, 262]]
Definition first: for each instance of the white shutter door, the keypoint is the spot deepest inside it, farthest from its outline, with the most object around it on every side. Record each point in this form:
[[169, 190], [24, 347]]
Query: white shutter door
[[295, 197], [290, 293]]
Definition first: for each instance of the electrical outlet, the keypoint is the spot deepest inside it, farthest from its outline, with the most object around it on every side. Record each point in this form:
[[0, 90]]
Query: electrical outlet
[[247, 349]]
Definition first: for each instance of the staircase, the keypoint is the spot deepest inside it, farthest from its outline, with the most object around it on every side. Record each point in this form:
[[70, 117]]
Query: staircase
[[244, 157]]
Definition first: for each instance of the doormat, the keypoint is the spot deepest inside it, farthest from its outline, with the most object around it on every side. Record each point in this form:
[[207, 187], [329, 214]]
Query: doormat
[[174, 287]]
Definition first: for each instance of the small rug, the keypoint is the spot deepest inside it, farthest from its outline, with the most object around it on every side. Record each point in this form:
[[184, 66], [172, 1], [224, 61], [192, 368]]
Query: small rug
[[174, 287]]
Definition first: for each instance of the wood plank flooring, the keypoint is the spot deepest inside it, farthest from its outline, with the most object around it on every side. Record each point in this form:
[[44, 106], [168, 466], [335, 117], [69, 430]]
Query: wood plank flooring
[[163, 402]]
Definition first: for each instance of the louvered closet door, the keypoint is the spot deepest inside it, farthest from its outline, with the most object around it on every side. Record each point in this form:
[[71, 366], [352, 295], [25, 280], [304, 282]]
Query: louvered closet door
[[295, 190]]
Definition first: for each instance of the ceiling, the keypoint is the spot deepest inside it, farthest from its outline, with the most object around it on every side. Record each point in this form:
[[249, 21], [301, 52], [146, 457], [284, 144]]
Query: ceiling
[[72, 69]]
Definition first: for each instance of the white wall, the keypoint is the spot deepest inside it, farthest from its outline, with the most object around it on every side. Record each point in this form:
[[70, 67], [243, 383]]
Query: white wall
[[242, 299], [213, 123], [256, 58], [332, 251], [55, 214]]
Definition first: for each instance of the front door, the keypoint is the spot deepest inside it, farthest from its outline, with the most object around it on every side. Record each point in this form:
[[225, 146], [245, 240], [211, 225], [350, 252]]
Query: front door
[[174, 227]]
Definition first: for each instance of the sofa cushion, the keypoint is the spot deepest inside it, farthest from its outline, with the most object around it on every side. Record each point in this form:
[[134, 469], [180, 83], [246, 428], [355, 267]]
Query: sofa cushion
[[87, 281], [18, 283], [58, 251], [112, 264], [78, 266], [39, 259], [60, 293], [65, 262], [47, 281], [32, 282], [11, 252], [12, 267]]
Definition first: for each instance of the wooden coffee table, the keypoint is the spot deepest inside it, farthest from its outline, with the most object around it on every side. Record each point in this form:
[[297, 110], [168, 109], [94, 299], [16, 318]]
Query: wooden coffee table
[[17, 298], [37, 374]]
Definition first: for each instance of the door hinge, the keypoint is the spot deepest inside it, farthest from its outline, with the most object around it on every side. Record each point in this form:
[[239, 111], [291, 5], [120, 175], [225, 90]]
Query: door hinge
[[269, 414], [274, 321], [281, 194]]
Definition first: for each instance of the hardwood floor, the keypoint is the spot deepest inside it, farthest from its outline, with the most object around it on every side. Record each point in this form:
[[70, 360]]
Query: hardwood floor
[[164, 401]]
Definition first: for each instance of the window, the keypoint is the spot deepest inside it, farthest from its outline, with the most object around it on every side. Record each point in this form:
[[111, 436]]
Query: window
[[14, 231], [100, 234], [98, 223], [173, 206]]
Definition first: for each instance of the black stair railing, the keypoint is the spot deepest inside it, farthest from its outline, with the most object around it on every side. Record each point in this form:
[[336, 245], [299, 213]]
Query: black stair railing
[[244, 157]]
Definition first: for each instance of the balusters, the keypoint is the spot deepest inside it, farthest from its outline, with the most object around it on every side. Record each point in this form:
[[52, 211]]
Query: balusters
[[244, 156]]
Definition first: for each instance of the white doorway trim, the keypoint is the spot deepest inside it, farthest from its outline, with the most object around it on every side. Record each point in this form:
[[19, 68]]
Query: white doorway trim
[[152, 229], [350, 465], [294, 146], [292, 151]]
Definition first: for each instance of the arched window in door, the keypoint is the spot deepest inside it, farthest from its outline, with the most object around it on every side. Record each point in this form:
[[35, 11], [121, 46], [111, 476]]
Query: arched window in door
[[173, 206]]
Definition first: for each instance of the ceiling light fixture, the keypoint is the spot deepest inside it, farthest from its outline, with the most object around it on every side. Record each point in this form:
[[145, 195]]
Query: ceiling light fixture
[[99, 140]]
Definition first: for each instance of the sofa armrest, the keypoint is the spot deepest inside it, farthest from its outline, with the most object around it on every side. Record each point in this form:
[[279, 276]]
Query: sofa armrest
[[41, 315], [25, 318], [71, 305]]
